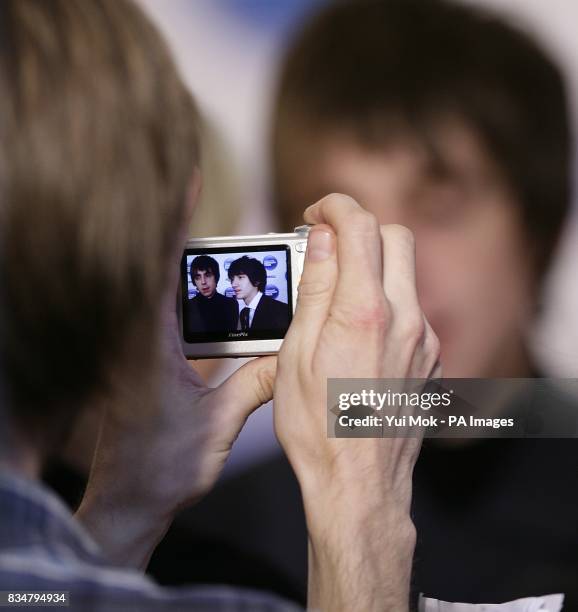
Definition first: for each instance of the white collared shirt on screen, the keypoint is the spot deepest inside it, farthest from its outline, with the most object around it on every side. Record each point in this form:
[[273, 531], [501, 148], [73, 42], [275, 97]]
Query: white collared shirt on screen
[[252, 305]]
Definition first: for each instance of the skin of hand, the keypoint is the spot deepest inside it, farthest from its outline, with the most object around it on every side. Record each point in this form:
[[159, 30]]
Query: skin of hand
[[357, 316], [164, 437]]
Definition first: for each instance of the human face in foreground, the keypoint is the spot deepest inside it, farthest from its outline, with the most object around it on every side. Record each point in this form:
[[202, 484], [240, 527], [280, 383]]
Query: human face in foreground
[[205, 282], [474, 262], [243, 288]]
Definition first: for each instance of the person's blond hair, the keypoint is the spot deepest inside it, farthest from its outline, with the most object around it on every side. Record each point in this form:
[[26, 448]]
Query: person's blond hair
[[98, 141]]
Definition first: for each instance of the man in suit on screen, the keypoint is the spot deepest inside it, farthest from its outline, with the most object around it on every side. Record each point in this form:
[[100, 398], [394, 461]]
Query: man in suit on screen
[[259, 312]]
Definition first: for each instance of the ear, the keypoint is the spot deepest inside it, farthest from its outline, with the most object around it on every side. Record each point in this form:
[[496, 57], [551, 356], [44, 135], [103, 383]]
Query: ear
[[193, 194]]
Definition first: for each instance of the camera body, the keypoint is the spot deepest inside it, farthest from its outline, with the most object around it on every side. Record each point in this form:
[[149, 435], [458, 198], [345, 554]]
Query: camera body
[[238, 293]]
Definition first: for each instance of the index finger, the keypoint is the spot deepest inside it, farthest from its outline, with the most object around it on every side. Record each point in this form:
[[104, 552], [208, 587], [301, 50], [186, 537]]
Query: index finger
[[359, 248]]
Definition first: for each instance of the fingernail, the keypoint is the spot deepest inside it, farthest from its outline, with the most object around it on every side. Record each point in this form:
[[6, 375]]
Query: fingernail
[[319, 245]]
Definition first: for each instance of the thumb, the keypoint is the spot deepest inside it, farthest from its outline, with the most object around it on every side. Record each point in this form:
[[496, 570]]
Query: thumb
[[246, 389], [316, 287]]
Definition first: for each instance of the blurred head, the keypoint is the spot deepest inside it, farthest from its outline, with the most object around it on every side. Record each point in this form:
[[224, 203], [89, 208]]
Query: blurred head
[[442, 118], [98, 146], [247, 276], [205, 275]]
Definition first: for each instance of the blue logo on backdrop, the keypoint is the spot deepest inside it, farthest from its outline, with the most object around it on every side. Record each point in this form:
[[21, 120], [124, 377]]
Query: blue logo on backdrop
[[270, 262], [193, 293], [272, 291], [227, 263], [229, 292]]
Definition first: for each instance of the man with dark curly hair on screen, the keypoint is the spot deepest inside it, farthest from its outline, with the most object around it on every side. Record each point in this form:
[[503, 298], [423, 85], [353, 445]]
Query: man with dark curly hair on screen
[[209, 310], [260, 312]]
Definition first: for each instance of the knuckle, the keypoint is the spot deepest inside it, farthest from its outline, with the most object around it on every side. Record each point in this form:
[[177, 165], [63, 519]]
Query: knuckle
[[340, 199], [313, 290], [412, 328], [432, 346], [264, 383], [372, 315]]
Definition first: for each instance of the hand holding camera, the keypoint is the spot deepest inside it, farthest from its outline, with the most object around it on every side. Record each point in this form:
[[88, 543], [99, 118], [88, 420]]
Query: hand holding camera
[[357, 316], [182, 431]]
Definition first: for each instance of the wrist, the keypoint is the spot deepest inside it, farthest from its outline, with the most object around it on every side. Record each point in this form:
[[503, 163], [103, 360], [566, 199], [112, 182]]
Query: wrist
[[362, 569], [127, 532], [363, 534], [361, 545], [351, 499]]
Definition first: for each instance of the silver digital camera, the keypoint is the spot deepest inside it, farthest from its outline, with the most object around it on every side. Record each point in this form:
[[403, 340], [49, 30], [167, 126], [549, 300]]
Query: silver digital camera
[[238, 293]]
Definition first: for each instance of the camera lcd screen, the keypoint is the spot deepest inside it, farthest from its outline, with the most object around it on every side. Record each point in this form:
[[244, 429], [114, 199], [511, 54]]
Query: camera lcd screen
[[235, 294]]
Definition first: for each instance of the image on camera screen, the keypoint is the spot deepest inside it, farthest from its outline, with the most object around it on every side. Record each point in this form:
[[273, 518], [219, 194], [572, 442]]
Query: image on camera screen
[[234, 295]]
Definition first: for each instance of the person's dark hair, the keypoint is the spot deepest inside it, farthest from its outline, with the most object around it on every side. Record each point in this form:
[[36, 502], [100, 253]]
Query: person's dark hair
[[98, 144], [207, 264], [383, 69], [252, 268]]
